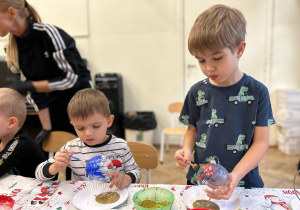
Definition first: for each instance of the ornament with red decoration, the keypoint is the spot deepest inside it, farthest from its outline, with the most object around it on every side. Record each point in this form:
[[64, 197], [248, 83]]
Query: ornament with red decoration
[[213, 173], [6, 202]]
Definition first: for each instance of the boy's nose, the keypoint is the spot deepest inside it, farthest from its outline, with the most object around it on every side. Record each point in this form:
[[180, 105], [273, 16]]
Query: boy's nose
[[89, 132], [210, 67]]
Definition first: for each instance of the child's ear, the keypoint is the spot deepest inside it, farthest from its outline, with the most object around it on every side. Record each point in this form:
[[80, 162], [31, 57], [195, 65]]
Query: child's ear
[[110, 120], [240, 49], [11, 12], [13, 121], [71, 122]]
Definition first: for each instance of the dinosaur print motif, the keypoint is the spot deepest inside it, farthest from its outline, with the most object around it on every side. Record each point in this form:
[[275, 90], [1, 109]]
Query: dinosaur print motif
[[270, 122], [214, 114], [214, 119], [200, 100], [242, 96], [243, 90], [202, 143], [240, 145], [185, 119], [240, 139]]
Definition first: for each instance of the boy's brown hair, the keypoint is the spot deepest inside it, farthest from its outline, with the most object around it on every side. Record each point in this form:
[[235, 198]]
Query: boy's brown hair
[[87, 102], [216, 28], [12, 104]]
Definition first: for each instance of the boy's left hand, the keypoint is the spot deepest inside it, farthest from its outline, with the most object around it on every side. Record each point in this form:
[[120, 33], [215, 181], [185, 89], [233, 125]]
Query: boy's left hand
[[223, 192], [120, 180]]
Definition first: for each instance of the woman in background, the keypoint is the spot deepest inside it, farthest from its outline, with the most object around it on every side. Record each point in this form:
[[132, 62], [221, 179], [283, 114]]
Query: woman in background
[[46, 58]]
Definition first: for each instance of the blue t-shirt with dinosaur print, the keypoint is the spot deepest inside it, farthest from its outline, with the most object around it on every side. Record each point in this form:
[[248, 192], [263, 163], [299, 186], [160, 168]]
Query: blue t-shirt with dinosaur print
[[225, 118]]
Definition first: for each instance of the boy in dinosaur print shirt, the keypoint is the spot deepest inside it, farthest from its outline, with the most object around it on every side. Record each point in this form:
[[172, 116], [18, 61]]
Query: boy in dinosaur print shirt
[[233, 123]]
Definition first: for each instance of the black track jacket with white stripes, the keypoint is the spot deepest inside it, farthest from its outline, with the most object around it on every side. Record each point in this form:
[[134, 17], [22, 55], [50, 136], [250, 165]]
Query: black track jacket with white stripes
[[48, 53]]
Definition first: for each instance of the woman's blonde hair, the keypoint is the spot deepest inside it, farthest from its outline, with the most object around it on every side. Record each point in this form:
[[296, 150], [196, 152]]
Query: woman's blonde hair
[[216, 28], [87, 102], [12, 104], [25, 10]]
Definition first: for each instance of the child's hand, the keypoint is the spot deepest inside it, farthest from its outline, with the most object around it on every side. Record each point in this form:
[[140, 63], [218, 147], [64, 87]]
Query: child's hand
[[120, 180], [223, 192], [182, 158], [62, 160]]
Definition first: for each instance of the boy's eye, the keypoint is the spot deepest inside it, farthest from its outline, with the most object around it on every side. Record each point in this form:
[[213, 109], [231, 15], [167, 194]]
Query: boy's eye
[[80, 129], [217, 59], [201, 61], [96, 126]]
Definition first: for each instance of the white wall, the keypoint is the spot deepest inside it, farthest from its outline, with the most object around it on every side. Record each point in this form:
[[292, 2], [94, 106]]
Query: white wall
[[285, 51], [136, 38], [141, 40], [286, 45]]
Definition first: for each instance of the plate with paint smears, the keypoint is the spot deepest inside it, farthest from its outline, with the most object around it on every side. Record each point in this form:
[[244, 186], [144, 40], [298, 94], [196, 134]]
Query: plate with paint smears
[[86, 198], [196, 193]]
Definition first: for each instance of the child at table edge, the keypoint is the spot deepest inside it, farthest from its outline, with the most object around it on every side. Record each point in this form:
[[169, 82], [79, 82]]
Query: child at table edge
[[19, 155], [220, 122], [90, 115]]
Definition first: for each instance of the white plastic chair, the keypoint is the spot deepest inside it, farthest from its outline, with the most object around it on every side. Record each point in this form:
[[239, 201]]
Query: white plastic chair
[[174, 109]]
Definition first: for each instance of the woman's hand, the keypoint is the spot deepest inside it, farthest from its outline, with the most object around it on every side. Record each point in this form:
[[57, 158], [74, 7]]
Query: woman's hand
[[23, 87]]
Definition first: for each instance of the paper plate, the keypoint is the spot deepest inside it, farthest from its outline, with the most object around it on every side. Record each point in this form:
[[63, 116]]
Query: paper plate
[[295, 203], [85, 199], [196, 193]]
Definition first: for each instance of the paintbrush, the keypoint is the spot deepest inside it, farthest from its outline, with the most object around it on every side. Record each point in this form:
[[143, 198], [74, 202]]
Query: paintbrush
[[195, 166], [79, 159]]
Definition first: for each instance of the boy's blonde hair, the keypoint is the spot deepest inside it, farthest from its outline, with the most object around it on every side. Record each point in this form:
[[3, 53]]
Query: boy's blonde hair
[[25, 11], [87, 102], [216, 28], [12, 104]]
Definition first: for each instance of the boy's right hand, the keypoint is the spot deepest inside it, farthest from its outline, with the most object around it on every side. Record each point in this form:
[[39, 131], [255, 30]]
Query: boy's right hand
[[223, 192], [62, 160], [182, 158]]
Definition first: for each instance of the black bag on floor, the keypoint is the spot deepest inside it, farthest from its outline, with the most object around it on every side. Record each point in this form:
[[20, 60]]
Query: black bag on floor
[[139, 120]]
